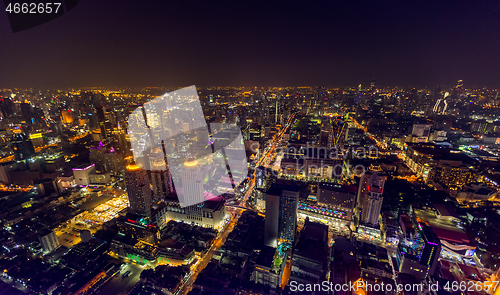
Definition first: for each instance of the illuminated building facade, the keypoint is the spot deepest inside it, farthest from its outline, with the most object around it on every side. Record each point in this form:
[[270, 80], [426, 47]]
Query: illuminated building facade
[[192, 183], [333, 204], [82, 174], [419, 257], [288, 214], [210, 213], [369, 200], [265, 178], [107, 159], [323, 163], [67, 116], [342, 197], [441, 165], [266, 271], [48, 240], [139, 229], [138, 190]]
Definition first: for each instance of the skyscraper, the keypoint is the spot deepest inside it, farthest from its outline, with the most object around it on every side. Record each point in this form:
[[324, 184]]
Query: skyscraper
[[431, 249], [272, 219], [138, 190], [369, 201], [192, 183], [281, 214], [288, 214], [160, 179]]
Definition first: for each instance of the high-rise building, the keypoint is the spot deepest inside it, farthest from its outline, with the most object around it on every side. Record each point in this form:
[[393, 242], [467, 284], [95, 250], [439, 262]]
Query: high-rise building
[[107, 159], [281, 214], [420, 258], [288, 214], [48, 240], [6, 106], [23, 147], [431, 249], [369, 201], [271, 233], [160, 179], [138, 190], [192, 183]]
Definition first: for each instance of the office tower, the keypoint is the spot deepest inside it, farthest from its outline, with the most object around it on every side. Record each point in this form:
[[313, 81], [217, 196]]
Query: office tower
[[271, 233], [48, 240], [370, 198], [420, 258], [288, 214], [431, 249], [23, 147], [281, 214], [160, 179], [123, 143], [138, 190], [192, 183]]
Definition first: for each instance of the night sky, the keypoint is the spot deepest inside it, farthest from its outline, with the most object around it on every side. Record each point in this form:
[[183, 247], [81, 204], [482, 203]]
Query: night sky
[[121, 43]]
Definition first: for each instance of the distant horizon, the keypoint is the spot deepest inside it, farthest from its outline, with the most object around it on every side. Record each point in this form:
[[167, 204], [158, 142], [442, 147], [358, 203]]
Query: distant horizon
[[364, 86]]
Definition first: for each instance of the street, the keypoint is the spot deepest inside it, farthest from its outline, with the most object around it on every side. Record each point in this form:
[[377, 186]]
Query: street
[[120, 285]]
